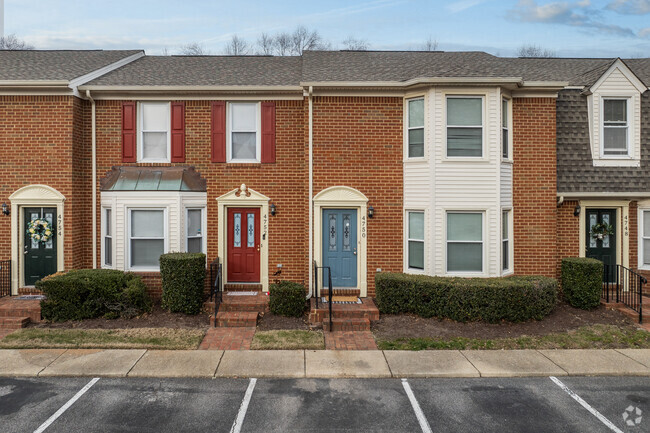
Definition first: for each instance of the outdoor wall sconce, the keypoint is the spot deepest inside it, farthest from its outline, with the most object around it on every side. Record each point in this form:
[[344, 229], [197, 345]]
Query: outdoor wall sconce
[[5, 209], [273, 209], [371, 212], [576, 211]]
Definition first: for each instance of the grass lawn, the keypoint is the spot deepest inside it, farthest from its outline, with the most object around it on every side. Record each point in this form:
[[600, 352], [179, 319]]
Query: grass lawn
[[288, 339], [136, 338], [586, 337]]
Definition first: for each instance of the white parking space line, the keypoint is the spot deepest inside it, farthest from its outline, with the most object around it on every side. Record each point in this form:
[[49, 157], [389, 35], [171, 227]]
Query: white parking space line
[[66, 406], [236, 426], [586, 405], [424, 424]]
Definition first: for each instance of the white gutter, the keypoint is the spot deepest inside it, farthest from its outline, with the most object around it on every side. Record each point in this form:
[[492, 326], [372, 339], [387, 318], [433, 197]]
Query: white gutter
[[93, 146], [191, 88], [415, 81], [311, 192], [600, 194]]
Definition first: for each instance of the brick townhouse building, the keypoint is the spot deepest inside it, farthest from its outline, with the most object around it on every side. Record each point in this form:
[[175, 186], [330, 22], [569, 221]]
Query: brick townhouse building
[[438, 163]]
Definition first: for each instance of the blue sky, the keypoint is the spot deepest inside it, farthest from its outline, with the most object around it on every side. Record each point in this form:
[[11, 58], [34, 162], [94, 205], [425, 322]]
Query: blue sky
[[580, 28]]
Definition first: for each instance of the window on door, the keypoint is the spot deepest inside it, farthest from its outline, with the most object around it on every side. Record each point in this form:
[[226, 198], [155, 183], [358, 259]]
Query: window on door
[[146, 237], [416, 240], [154, 143], [464, 242], [194, 223], [243, 136]]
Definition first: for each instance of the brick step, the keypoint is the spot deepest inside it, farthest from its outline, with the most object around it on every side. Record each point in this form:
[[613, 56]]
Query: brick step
[[239, 287], [33, 314], [366, 310], [347, 325], [13, 322], [258, 303], [341, 292], [234, 319]]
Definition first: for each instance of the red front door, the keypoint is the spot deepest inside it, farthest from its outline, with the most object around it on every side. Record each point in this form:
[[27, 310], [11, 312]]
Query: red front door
[[243, 245]]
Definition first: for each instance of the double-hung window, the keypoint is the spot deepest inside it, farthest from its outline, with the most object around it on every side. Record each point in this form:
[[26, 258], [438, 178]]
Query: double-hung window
[[108, 237], [155, 141], [505, 241], [244, 135], [464, 126], [147, 230], [615, 127], [464, 241], [415, 133], [416, 240], [505, 151], [194, 223], [645, 239]]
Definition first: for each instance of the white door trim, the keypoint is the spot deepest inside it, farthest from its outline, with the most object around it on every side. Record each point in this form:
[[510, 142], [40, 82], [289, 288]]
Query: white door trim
[[622, 208]]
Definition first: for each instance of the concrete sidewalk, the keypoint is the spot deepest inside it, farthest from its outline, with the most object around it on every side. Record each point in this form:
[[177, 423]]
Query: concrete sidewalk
[[323, 363]]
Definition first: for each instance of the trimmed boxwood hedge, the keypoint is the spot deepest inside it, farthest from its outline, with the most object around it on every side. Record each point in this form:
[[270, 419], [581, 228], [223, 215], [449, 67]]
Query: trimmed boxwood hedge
[[582, 281], [90, 293], [183, 279], [287, 299], [514, 299]]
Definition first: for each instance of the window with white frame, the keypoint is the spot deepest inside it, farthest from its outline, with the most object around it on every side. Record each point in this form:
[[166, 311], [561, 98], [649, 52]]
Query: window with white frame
[[244, 137], [155, 137], [645, 239], [505, 240], [416, 240], [505, 142], [147, 230], [415, 126], [194, 224], [108, 237], [615, 127], [464, 241], [464, 126]]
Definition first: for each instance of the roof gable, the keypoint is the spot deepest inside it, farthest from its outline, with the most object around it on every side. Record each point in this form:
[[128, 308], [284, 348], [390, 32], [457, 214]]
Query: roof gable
[[622, 68]]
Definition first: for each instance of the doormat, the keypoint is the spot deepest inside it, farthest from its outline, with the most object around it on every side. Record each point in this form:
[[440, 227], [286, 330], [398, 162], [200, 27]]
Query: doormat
[[242, 293], [342, 300], [28, 297]]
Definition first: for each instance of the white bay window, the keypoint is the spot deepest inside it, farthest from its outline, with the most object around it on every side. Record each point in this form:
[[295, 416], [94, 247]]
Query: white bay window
[[416, 240], [464, 126], [147, 237], [464, 242], [194, 224]]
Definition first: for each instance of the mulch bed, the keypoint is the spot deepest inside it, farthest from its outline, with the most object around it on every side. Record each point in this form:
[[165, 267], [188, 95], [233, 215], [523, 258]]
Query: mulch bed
[[270, 322], [562, 319], [158, 318]]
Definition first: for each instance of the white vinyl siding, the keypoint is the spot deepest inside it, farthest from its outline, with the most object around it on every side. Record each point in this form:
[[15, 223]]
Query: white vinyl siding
[[154, 139], [464, 242], [194, 242], [415, 240], [244, 138], [415, 128], [464, 126]]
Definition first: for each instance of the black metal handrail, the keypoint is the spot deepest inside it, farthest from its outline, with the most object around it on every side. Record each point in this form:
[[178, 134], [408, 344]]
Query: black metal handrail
[[5, 278], [628, 286], [216, 286], [329, 286]]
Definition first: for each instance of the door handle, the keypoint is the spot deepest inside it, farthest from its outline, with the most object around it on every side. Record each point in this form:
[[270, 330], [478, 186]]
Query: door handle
[[354, 252], [258, 247]]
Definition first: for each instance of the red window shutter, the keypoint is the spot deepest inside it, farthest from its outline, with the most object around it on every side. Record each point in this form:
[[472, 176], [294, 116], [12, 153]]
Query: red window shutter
[[178, 132], [268, 132], [129, 153], [218, 132]]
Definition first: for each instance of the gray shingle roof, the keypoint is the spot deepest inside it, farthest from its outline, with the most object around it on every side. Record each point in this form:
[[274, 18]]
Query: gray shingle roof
[[205, 71], [56, 65]]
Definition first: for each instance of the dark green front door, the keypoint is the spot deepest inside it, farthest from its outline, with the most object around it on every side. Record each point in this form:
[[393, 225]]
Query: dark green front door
[[602, 249], [40, 257]]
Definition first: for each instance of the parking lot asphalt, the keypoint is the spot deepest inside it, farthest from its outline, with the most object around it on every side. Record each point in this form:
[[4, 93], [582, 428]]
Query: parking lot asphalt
[[318, 405]]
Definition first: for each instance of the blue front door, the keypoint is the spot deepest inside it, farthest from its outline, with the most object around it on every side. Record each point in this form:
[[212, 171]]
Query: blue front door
[[340, 246]]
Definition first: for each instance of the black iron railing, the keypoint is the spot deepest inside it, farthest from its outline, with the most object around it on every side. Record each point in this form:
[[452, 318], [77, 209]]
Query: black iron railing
[[329, 286], [5, 278], [216, 286], [621, 284]]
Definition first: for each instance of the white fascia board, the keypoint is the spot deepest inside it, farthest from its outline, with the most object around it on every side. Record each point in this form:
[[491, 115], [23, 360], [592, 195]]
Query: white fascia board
[[76, 82], [416, 81], [161, 89], [600, 194], [33, 83]]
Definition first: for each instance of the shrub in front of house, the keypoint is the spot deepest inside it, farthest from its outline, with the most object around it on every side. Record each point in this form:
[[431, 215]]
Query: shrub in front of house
[[287, 299], [582, 281], [183, 279], [513, 299], [90, 293]]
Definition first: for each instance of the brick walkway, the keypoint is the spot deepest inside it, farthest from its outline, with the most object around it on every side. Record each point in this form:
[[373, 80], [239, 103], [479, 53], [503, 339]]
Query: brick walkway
[[350, 340], [228, 339]]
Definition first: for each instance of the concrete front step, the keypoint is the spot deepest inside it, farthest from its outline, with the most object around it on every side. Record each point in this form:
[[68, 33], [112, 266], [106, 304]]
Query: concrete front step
[[13, 322], [234, 319], [355, 324]]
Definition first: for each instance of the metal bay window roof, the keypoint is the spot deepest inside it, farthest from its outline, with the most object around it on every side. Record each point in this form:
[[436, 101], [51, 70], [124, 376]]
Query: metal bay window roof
[[178, 178]]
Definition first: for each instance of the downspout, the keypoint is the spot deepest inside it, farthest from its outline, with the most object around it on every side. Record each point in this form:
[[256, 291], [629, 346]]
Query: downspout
[[93, 146], [311, 192]]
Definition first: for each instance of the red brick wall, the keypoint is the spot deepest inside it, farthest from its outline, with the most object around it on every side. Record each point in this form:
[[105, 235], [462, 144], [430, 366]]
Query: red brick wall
[[568, 232], [284, 182], [534, 186], [358, 143], [43, 141]]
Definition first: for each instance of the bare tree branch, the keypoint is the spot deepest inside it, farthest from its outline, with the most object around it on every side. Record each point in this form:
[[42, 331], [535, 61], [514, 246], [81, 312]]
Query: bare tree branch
[[282, 44], [237, 46], [430, 44], [304, 39], [354, 44], [534, 51], [266, 44], [11, 42], [193, 49]]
